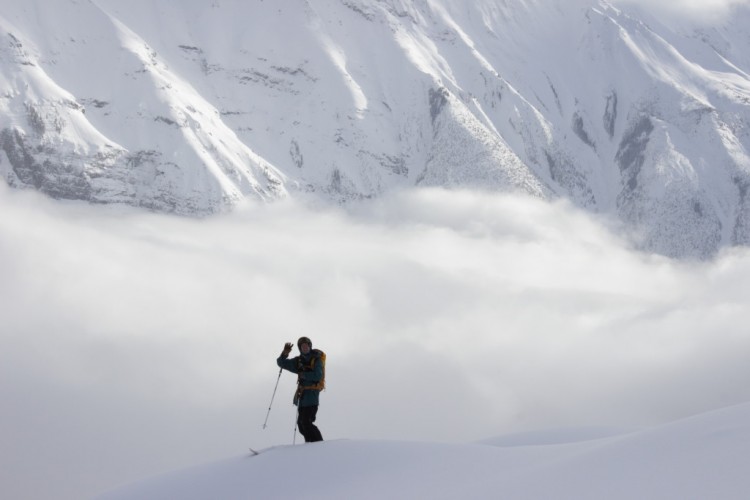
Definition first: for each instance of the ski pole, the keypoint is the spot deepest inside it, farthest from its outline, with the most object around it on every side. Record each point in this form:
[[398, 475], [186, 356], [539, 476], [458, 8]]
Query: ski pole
[[273, 396], [294, 439]]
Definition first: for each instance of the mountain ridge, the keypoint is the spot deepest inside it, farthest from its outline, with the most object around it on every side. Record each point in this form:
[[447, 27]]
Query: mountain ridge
[[190, 108]]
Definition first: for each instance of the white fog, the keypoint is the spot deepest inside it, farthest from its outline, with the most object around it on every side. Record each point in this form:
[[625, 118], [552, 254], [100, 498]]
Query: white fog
[[134, 343]]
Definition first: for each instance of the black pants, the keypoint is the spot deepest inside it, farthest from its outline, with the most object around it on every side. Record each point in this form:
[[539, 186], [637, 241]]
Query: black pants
[[305, 423]]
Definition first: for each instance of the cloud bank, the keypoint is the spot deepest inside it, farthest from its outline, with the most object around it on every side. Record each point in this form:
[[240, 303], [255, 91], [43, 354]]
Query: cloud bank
[[134, 343], [703, 11]]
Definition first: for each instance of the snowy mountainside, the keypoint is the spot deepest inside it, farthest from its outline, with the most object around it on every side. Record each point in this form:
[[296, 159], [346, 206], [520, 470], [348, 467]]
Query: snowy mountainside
[[91, 112], [700, 457], [191, 106]]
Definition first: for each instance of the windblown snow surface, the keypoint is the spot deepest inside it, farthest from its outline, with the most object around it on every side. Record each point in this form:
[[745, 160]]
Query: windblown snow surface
[[699, 458]]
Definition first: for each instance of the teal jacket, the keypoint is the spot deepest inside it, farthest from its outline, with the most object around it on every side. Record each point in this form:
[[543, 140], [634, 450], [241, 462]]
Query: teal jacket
[[307, 375]]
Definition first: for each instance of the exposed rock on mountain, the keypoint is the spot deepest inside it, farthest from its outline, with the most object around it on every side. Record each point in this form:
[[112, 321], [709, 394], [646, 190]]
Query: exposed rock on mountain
[[191, 106]]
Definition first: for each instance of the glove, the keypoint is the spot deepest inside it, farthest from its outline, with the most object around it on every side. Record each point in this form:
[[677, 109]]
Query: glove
[[287, 350]]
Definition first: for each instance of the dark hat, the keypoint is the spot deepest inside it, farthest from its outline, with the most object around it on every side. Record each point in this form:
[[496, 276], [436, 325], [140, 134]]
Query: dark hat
[[304, 340]]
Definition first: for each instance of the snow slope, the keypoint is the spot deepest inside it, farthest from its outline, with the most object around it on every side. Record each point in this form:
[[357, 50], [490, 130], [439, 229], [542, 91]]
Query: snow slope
[[131, 131], [702, 457], [191, 106]]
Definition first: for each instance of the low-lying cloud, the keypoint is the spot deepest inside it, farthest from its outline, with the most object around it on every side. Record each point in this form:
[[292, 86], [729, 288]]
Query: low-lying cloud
[[133, 343], [705, 11]]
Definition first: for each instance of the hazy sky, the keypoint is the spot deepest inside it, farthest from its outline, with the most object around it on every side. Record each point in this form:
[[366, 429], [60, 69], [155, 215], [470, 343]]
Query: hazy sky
[[133, 343]]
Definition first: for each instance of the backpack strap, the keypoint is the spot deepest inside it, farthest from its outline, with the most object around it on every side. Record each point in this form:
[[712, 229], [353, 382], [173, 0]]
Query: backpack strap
[[317, 356]]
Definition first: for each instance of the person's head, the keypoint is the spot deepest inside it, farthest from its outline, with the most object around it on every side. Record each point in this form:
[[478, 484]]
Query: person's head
[[304, 345]]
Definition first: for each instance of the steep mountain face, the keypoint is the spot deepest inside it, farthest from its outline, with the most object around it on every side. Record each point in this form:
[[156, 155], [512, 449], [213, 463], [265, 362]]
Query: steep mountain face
[[191, 106]]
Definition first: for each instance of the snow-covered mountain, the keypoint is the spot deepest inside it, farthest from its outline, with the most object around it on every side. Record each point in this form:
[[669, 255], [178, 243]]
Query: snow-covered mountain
[[191, 106]]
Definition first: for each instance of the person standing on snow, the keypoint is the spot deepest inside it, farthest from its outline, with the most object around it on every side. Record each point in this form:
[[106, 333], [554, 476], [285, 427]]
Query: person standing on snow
[[309, 367]]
